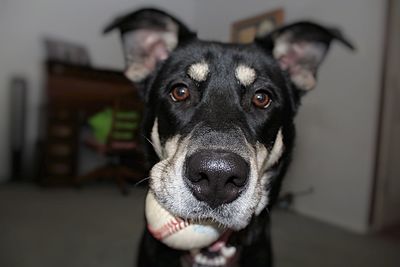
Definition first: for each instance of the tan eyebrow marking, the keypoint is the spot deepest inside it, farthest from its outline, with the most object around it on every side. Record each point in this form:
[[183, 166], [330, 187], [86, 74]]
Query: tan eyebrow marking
[[199, 71], [245, 75]]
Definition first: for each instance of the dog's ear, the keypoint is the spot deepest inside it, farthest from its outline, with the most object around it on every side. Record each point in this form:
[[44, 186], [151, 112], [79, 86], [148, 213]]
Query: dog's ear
[[300, 48], [148, 37]]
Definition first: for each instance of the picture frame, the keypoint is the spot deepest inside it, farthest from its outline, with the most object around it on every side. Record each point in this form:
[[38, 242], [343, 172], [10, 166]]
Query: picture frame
[[245, 30]]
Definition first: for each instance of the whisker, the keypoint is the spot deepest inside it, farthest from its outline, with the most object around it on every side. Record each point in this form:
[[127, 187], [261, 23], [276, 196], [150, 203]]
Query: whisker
[[148, 140], [141, 181]]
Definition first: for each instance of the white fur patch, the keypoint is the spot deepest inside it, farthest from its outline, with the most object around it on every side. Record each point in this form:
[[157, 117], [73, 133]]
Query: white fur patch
[[166, 176], [155, 139], [282, 48], [136, 72], [304, 79], [276, 152], [199, 71], [270, 159], [245, 75], [265, 179]]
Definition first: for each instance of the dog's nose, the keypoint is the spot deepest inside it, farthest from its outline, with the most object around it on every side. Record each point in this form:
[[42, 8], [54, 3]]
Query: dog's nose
[[216, 177]]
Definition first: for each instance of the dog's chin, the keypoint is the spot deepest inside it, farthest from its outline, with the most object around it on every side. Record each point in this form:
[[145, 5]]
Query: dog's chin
[[223, 216], [226, 217]]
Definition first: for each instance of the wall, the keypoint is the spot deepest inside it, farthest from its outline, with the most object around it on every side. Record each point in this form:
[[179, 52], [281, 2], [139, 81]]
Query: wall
[[22, 25], [337, 122]]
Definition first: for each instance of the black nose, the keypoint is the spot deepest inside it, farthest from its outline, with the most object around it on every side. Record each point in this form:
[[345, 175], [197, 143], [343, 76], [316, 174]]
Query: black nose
[[216, 177]]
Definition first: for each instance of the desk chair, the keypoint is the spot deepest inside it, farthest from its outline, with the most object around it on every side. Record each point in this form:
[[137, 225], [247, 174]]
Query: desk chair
[[121, 142]]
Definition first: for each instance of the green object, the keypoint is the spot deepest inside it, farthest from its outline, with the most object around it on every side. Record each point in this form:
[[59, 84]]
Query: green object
[[124, 115], [101, 124]]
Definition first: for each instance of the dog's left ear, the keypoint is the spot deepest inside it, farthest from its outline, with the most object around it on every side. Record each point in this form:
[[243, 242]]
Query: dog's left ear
[[148, 37], [300, 48]]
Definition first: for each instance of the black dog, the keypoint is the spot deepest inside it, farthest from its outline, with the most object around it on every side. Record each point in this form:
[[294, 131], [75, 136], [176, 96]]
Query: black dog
[[219, 121]]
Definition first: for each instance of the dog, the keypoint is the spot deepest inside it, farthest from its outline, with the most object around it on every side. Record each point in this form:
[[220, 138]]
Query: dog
[[219, 125]]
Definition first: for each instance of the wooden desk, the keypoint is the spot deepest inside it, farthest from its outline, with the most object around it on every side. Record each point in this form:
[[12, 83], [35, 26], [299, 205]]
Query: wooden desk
[[72, 94]]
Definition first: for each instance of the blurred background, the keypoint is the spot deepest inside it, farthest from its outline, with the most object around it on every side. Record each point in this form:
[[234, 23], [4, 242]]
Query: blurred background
[[70, 192]]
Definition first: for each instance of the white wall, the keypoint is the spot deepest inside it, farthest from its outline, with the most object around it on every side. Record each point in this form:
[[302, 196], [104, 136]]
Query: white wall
[[24, 22], [337, 122]]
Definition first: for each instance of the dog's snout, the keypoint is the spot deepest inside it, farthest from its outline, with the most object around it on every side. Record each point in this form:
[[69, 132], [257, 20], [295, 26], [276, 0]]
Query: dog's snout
[[216, 177]]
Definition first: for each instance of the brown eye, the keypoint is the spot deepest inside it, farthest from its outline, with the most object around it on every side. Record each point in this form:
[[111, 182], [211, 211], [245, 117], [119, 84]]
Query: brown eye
[[180, 93], [261, 100]]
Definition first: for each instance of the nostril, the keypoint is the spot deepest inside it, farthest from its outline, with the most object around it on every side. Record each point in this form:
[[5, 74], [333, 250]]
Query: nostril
[[236, 181], [199, 177], [203, 176]]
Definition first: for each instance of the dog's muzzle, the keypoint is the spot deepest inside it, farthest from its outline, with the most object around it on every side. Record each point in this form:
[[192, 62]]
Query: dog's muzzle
[[216, 177]]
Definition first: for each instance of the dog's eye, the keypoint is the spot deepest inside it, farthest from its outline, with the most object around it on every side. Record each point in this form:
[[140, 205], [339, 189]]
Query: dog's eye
[[261, 99], [180, 93]]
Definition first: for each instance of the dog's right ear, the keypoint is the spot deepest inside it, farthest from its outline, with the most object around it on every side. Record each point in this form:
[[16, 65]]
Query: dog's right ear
[[148, 37]]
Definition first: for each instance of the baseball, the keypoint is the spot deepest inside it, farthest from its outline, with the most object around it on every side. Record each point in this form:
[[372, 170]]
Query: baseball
[[176, 232]]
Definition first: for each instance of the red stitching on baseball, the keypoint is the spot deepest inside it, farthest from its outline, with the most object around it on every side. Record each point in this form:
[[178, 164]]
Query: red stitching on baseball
[[169, 228]]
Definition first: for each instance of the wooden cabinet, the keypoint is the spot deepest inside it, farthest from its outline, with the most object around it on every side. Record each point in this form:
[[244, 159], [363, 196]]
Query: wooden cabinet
[[72, 94]]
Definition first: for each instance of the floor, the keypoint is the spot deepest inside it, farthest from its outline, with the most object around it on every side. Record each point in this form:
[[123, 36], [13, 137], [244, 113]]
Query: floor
[[96, 226]]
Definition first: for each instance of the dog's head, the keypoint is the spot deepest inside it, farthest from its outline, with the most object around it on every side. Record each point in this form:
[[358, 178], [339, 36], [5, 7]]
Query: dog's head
[[219, 117]]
